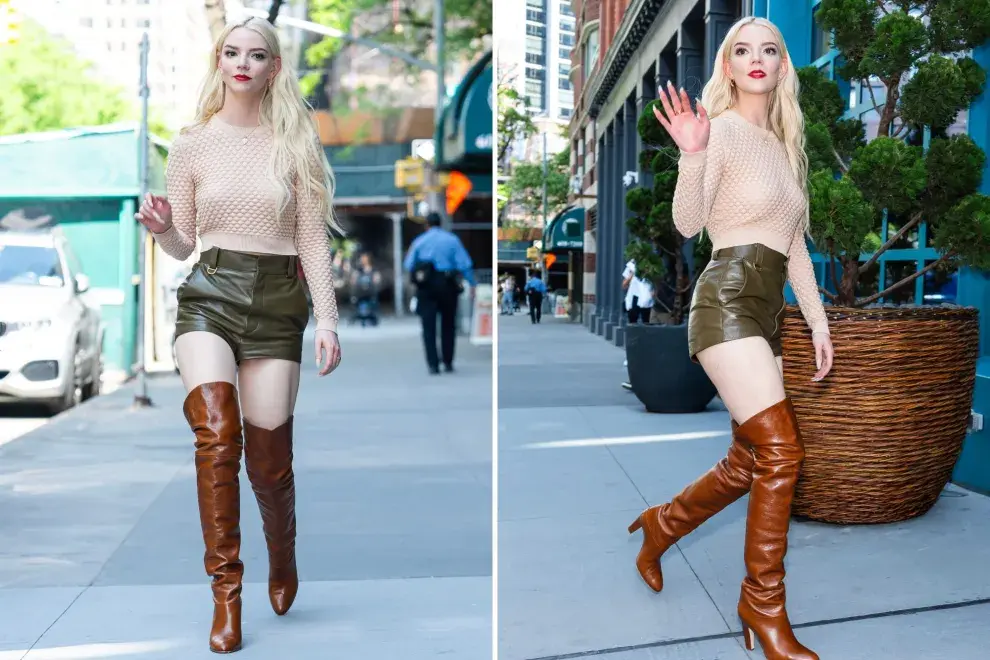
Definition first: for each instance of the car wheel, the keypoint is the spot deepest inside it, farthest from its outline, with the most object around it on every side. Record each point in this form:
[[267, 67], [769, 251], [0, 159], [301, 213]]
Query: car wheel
[[92, 388], [71, 396]]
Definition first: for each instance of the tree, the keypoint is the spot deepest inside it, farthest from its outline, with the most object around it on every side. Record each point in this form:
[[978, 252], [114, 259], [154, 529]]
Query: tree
[[46, 86], [852, 183], [526, 184], [405, 24], [514, 122]]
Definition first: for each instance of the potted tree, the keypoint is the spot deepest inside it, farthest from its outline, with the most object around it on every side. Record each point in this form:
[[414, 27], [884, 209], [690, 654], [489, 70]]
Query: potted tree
[[904, 372], [661, 372]]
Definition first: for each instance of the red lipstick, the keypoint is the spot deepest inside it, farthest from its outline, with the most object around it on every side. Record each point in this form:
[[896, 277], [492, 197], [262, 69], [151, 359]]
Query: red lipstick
[[243, 78], [757, 74]]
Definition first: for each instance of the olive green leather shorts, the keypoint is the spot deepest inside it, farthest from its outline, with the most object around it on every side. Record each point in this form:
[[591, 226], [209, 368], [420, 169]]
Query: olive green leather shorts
[[254, 302], [740, 294]]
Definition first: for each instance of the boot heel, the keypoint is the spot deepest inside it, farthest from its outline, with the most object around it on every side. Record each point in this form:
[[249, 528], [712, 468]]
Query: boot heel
[[749, 638], [636, 524]]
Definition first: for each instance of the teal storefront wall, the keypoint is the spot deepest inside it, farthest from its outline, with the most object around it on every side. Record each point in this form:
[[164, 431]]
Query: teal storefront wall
[[86, 179], [103, 236], [796, 21]]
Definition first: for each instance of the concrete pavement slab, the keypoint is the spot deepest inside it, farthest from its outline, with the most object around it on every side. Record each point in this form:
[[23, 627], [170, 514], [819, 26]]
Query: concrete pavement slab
[[940, 558], [393, 477], [954, 634], [847, 586], [567, 584], [415, 619], [540, 483], [27, 614], [719, 649], [519, 427]]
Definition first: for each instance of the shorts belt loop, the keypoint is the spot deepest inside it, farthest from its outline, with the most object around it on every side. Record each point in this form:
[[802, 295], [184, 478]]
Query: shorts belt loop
[[212, 261], [290, 269]]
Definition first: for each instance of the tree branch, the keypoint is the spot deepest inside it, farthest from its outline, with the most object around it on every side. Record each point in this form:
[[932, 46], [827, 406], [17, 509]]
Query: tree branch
[[881, 7], [276, 6], [835, 262], [828, 294], [873, 96], [842, 163], [915, 219], [906, 280]]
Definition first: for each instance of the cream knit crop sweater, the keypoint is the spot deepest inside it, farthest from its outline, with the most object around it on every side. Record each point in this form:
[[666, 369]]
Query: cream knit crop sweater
[[219, 189], [743, 180]]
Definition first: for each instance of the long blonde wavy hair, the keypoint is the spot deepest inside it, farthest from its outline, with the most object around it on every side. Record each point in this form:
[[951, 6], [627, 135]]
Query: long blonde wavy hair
[[785, 117], [285, 111]]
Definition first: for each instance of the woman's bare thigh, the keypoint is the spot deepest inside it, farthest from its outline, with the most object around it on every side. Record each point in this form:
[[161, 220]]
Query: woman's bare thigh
[[748, 377], [204, 357]]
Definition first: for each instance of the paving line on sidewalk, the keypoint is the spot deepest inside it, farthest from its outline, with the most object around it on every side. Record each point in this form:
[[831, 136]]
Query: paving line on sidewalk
[[732, 635]]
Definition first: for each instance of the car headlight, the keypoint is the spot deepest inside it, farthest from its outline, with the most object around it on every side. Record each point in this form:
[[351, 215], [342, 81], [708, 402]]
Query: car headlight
[[33, 326]]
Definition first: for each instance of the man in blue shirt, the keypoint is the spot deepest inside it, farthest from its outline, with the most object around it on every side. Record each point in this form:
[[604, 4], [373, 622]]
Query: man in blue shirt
[[535, 290], [437, 261]]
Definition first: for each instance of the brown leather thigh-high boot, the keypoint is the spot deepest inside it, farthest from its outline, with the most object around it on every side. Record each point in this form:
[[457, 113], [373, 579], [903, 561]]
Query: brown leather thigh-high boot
[[268, 455], [778, 452], [663, 525], [214, 415]]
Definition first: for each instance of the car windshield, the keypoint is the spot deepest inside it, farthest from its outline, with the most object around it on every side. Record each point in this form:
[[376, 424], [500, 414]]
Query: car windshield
[[30, 265]]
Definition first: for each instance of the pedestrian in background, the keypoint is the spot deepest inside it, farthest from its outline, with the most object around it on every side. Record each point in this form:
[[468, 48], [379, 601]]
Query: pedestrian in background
[[250, 178], [439, 264], [508, 293], [536, 289]]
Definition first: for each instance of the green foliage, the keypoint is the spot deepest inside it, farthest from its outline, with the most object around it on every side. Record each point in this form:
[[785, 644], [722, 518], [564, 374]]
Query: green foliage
[[899, 42], [841, 217], [819, 148], [655, 243], [852, 182], [956, 82], [526, 184], [964, 232], [889, 173], [46, 86], [954, 170], [514, 123], [467, 23]]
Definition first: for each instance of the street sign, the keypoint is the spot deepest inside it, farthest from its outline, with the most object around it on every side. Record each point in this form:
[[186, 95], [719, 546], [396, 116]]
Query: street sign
[[425, 149], [410, 174]]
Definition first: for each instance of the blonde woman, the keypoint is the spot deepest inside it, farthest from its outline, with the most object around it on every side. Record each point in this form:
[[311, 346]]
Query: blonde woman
[[250, 178], [742, 178]]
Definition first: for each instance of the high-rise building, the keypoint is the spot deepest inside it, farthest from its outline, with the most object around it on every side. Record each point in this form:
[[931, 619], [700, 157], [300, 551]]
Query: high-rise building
[[537, 58], [108, 34]]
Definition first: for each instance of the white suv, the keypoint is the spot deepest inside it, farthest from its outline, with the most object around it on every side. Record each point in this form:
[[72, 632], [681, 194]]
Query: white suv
[[51, 346]]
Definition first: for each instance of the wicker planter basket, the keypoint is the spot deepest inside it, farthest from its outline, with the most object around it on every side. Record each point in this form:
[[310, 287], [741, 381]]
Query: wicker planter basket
[[883, 431]]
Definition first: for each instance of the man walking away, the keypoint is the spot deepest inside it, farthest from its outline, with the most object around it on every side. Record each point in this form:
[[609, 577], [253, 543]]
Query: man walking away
[[438, 264], [535, 290]]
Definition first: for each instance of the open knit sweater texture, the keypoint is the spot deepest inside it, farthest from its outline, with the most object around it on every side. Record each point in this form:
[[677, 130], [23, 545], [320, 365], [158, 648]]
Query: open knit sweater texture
[[218, 185], [743, 179]]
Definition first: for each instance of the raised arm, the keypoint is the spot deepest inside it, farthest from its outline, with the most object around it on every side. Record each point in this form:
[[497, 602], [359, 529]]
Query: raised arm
[[698, 177], [801, 274], [179, 240], [313, 245]]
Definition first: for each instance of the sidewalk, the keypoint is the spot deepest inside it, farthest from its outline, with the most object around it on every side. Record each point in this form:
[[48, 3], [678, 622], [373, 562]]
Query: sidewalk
[[102, 554], [579, 459]]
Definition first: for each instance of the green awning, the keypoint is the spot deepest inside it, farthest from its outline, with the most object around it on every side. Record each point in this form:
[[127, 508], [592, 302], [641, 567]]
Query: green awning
[[464, 137], [88, 162], [565, 232]]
